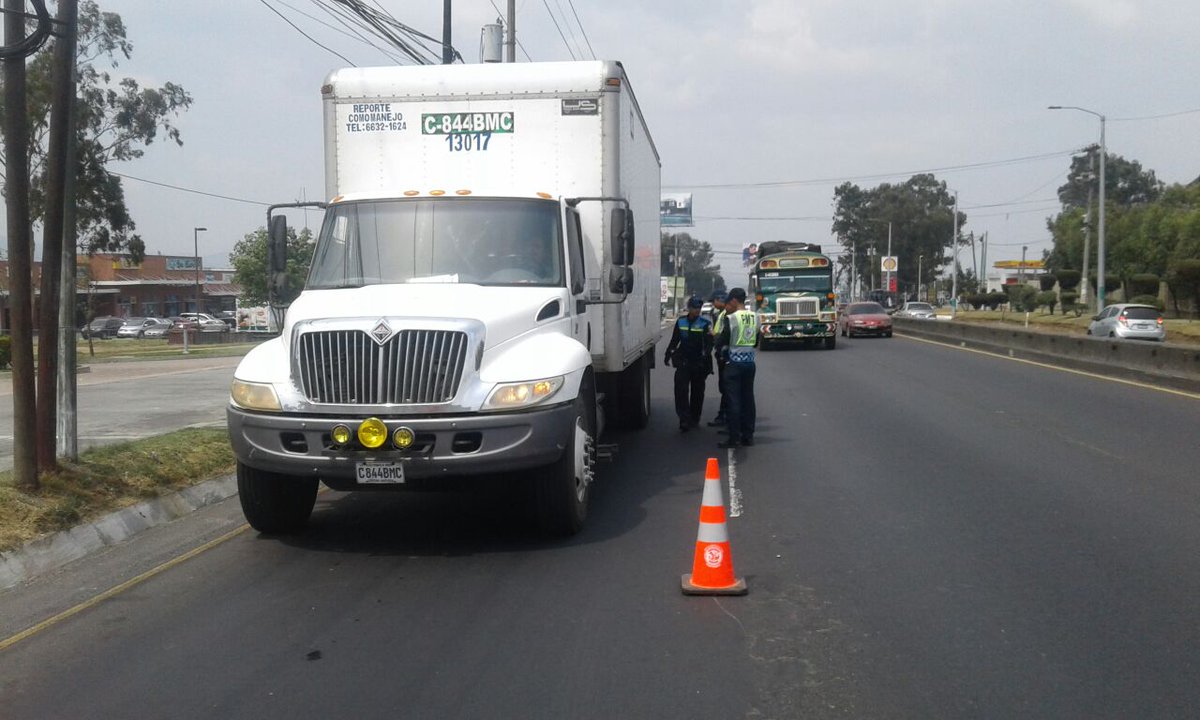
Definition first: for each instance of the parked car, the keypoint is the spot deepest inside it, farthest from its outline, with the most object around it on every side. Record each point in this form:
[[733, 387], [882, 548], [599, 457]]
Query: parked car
[[865, 318], [204, 322], [134, 327], [917, 310], [102, 327], [158, 330], [1129, 321], [228, 317]]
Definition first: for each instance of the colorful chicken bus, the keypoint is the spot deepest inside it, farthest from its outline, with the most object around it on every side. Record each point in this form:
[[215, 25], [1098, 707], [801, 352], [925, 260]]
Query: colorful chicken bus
[[792, 284]]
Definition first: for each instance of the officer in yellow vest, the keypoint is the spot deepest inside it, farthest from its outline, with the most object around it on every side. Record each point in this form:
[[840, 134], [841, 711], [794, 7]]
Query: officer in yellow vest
[[735, 342]]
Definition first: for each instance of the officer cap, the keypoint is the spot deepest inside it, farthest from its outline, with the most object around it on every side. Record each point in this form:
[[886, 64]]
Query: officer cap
[[694, 303], [718, 296]]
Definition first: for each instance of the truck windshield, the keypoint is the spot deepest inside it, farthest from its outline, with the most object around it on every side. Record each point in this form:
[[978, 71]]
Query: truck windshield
[[447, 240], [786, 282]]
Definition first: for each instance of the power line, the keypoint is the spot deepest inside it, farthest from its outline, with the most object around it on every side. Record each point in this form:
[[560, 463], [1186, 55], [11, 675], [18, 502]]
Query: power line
[[877, 176], [297, 29], [189, 190], [1155, 117], [581, 30], [349, 32], [571, 32], [560, 32]]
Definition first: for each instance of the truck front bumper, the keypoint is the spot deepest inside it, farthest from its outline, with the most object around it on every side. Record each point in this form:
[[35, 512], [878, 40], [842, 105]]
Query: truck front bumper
[[456, 445], [798, 329]]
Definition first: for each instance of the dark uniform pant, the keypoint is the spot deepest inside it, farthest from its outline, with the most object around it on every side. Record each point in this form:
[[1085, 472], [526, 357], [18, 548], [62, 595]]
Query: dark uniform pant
[[739, 389], [689, 392], [724, 406]]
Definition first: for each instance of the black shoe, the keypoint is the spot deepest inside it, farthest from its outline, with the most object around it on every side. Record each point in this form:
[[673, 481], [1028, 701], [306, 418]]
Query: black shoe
[[683, 426], [729, 443], [748, 441], [718, 420]]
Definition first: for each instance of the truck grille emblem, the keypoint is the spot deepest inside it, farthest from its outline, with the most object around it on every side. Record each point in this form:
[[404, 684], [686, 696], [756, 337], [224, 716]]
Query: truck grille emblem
[[381, 332]]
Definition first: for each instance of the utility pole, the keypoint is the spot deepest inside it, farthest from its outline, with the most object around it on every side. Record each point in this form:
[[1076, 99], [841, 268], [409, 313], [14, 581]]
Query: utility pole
[[510, 42], [675, 278], [20, 242], [196, 248], [1021, 272], [447, 50], [1087, 232], [954, 272], [919, 259], [853, 270], [1103, 182], [983, 262], [888, 287]]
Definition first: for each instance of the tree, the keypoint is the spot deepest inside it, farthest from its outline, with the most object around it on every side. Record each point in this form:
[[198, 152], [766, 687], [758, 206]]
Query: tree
[[921, 213], [1184, 280], [114, 120], [249, 260], [695, 263], [1126, 182]]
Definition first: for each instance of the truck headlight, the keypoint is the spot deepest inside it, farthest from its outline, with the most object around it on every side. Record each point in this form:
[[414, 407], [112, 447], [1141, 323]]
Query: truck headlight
[[254, 396], [768, 317], [509, 396]]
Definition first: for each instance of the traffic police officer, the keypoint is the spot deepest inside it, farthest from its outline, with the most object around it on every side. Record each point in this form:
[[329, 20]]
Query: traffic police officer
[[690, 351], [735, 341]]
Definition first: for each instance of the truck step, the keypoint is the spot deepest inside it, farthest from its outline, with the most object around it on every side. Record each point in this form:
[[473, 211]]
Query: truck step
[[606, 451]]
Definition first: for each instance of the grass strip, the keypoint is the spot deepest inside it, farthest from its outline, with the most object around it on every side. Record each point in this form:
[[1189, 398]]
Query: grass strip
[[109, 478]]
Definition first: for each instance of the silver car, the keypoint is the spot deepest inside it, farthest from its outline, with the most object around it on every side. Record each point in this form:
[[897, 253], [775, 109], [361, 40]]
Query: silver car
[[1126, 320], [919, 310]]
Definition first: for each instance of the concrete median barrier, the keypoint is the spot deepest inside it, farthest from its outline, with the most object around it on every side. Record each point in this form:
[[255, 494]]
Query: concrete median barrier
[[1166, 364]]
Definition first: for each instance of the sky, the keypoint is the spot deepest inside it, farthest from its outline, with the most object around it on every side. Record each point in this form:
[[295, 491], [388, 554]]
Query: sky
[[812, 93]]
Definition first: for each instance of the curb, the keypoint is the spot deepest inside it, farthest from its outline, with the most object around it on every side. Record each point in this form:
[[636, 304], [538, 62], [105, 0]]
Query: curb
[[52, 552]]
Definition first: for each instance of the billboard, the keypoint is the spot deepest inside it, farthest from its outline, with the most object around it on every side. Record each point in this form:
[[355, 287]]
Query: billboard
[[749, 254], [675, 210]]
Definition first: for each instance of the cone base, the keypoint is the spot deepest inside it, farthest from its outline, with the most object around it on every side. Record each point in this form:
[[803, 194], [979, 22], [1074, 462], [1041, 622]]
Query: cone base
[[737, 588]]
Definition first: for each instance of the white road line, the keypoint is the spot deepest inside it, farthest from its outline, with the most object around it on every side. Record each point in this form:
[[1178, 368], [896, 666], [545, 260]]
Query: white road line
[[735, 494]]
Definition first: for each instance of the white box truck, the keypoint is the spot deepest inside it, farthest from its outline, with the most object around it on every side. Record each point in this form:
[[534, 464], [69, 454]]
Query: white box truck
[[483, 293]]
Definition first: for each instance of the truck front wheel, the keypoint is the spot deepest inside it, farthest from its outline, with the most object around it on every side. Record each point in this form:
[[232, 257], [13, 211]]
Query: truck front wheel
[[273, 503], [562, 489]]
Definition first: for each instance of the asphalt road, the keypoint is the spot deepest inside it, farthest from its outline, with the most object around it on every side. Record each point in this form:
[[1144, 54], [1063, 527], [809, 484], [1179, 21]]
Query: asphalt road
[[121, 401], [926, 532]]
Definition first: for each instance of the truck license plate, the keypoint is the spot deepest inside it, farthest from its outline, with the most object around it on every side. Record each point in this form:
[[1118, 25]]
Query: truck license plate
[[379, 473]]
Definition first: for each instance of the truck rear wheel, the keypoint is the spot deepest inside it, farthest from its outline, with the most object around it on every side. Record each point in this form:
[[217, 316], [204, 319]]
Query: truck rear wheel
[[562, 490], [634, 391], [273, 503]]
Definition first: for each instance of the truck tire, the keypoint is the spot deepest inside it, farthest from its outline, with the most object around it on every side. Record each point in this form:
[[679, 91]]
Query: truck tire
[[273, 503], [830, 342], [562, 489], [634, 393]]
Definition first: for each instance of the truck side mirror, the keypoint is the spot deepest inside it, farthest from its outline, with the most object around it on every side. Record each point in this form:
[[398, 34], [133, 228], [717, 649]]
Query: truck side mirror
[[277, 245], [621, 236], [621, 280]]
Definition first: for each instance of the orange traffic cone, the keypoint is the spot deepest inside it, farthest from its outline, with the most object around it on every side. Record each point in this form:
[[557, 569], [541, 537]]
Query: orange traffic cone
[[712, 569]]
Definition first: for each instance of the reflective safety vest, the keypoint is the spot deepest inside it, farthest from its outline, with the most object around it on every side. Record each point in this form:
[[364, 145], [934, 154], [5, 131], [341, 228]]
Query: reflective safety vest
[[743, 335], [720, 318]]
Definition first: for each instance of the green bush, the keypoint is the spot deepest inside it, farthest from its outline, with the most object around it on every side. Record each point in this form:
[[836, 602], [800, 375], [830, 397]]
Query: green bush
[[1022, 297], [1047, 300], [1148, 300], [5, 351], [1068, 279], [996, 299], [976, 300], [1046, 282], [1144, 284]]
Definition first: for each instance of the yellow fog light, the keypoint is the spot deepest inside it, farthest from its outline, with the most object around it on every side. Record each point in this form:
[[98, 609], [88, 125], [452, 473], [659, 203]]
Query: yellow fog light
[[403, 438], [341, 434], [372, 433]]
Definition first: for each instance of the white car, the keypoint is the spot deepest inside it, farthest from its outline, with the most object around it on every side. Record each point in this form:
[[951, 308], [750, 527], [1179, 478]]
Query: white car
[[917, 310], [1133, 322], [205, 322], [135, 327]]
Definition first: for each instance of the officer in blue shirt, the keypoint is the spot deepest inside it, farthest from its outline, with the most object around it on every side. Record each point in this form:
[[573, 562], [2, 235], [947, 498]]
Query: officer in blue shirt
[[690, 351]]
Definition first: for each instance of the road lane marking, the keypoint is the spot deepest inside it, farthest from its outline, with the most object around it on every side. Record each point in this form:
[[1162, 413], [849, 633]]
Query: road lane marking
[[1084, 373], [117, 590], [735, 493]]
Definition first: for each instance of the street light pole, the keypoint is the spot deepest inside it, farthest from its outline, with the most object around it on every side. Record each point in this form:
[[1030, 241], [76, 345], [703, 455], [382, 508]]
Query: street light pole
[[196, 250], [954, 271], [919, 259], [1100, 230]]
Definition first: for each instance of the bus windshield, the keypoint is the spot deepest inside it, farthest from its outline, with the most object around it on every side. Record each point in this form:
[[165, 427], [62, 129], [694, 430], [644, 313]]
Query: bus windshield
[[775, 282], [478, 240]]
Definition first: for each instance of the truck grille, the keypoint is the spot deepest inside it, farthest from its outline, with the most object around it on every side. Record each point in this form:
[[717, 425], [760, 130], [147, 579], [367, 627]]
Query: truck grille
[[412, 367], [795, 307]]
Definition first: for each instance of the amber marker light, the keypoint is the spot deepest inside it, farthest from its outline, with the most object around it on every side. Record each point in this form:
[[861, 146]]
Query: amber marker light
[[546, 196], [411, 193], [462, 192], [437, 193], [403, 438], [372, 433]]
